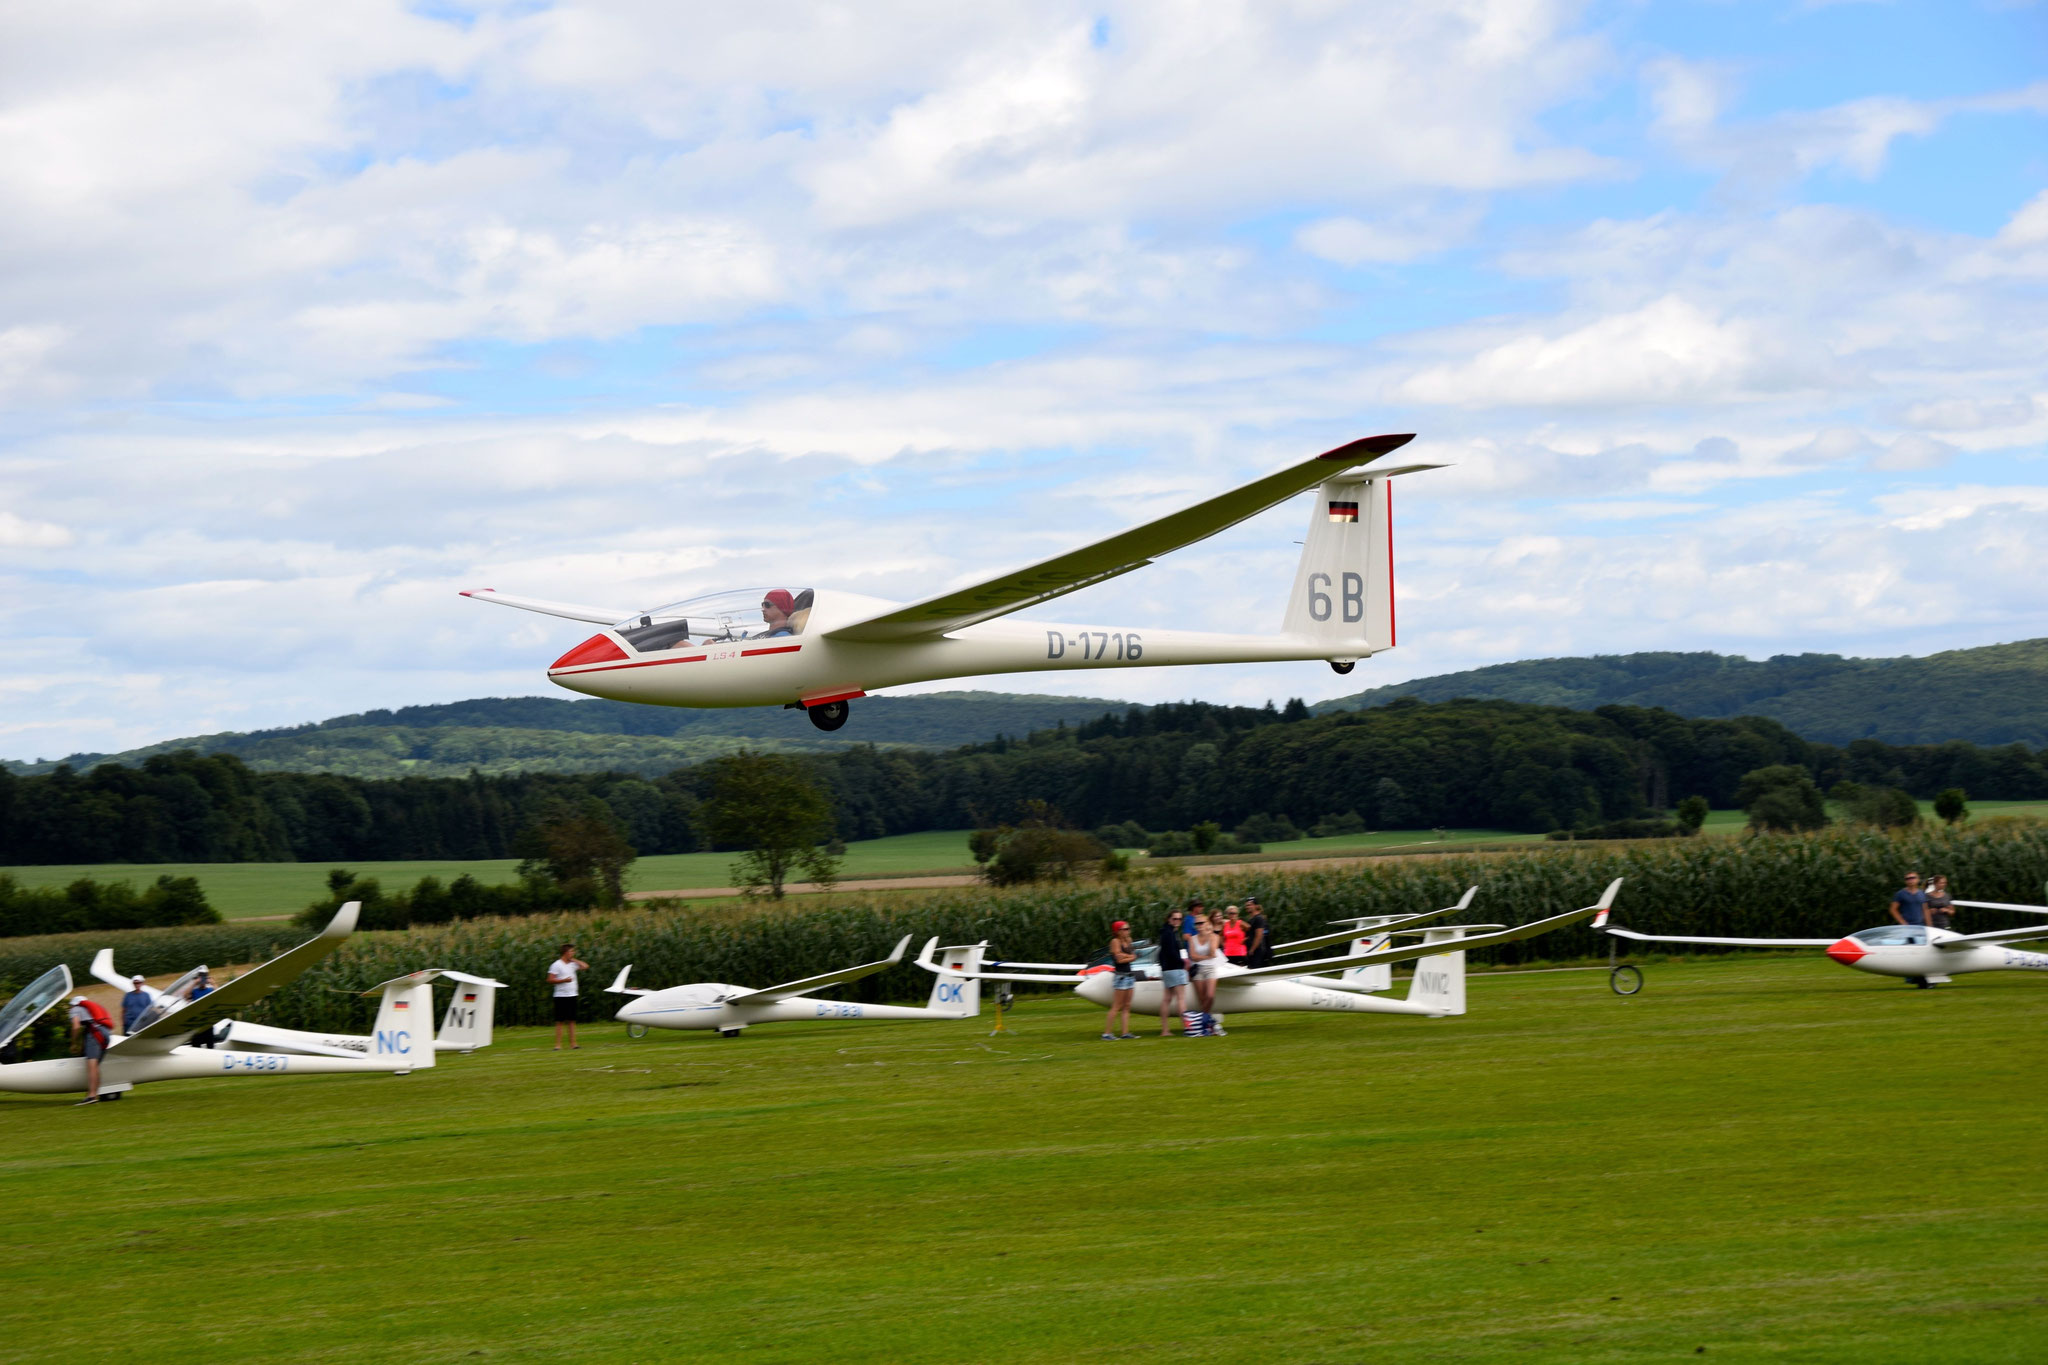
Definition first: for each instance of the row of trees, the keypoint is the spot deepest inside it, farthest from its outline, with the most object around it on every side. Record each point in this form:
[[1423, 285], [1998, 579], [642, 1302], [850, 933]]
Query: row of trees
[[1405, 765]]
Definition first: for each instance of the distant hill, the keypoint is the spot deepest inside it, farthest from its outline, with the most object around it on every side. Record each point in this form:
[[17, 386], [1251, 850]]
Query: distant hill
[[542, 734], [1996, 694]]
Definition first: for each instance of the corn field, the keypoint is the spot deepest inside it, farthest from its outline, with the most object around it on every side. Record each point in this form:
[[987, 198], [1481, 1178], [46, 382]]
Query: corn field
[[1795, 886]]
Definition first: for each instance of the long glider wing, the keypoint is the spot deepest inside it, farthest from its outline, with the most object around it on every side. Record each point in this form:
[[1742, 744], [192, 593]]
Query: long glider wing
[[1619, 932], [244, 991], [1119, 554], [2024, 934], [771, 994], [2006, 905], [1415, 950], [603, 616]]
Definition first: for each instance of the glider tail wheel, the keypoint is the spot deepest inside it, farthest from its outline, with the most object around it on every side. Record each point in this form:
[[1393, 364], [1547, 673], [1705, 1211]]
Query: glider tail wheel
[[828, 715], [1343, 665]]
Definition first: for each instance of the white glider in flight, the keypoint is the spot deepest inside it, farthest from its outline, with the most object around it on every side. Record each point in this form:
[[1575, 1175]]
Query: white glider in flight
[[820, 649]]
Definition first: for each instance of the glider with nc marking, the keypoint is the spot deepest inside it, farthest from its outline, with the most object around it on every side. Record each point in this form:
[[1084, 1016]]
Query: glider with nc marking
[[819, 649], [159, 1048]]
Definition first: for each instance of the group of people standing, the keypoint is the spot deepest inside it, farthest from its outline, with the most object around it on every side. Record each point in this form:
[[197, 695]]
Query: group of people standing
[[1930, 905], [1193, 946]]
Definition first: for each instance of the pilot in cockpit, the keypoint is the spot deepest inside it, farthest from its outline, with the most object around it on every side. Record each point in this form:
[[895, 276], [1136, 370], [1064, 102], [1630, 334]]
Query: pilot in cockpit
[[777, 606]]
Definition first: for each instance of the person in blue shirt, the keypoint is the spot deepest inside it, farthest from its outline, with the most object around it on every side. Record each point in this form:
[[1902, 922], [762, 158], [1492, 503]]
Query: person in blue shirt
[[133, 1004], [1909, 903], [201, 988]]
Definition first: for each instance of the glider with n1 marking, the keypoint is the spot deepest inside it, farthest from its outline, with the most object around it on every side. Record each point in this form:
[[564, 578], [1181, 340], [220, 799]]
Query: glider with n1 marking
[[159, 1048], [820, 649]]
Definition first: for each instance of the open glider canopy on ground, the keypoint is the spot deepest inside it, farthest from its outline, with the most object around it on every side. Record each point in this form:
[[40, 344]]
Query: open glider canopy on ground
[[819, 649], [1923, 956], [159, 1049], [1437, 989], [727, 1010]]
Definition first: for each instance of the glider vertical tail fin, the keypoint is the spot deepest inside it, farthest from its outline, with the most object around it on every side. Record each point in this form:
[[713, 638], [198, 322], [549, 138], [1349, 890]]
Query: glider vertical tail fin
[[1379, 976], [1440, 981], [1344, 587], [402, 1039], [472, 1010], [958, 995]]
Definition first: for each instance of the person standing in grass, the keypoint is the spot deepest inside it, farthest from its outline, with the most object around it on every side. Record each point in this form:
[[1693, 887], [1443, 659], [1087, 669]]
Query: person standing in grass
[[1941, 907], [1258, 948], [1173, 973], [1205, 956], [97, 1025], [562, 976], [1233, 937], [1123, 981]]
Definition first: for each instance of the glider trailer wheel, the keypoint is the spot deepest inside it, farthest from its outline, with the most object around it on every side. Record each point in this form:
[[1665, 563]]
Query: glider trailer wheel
[[828, 715], [1625, 980]]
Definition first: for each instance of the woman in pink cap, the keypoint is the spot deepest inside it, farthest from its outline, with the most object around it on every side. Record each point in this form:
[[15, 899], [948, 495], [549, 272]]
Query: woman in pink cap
[[1122, 980]]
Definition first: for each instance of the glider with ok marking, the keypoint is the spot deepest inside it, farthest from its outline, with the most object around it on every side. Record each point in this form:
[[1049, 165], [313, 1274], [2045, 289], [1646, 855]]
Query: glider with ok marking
[[820, 649]]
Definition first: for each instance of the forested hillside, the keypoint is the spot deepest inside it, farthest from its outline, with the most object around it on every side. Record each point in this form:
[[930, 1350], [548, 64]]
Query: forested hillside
[[1405, 765], [543, 734], [1997, 694]]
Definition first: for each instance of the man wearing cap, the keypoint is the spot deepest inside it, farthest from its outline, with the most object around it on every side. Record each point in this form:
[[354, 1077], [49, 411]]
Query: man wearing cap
[[777, 607], [1122, 981], [97, 1025], [134, 1004]]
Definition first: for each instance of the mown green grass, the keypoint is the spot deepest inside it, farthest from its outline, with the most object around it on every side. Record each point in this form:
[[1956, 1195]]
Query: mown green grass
[[1770, 1158]]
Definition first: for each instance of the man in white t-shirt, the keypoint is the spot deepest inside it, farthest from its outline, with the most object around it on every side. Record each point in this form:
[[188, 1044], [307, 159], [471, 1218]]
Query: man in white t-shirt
[[562, 976]]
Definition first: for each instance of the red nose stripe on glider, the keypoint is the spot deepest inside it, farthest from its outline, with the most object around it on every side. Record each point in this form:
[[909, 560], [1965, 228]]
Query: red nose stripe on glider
[[598, 649], [1845, 951]]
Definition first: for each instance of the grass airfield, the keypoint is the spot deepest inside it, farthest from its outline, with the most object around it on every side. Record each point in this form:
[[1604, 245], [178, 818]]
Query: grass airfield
[[1763, 1156]]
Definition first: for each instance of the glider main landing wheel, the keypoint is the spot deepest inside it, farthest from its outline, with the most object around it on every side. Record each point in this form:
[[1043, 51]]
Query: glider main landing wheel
[[829, 715], [636, 1030], [1625, 980], [1343, 665]]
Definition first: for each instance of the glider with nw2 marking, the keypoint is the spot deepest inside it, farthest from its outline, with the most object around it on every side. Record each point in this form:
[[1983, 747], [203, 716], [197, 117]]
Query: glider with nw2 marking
[[1437, 990], [820, 649], [159, 1049], [726, 1010]]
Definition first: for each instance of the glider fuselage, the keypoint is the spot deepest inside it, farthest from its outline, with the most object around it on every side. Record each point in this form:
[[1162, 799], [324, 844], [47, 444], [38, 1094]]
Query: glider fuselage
[[61, 1075], [811, 667]]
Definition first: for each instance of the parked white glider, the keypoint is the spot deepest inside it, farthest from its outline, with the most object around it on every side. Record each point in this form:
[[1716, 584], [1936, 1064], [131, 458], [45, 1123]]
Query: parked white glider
[[465, 1026], [819, 649], [156, 1051], [1438, 988], [730, 1009], [1923, 956]]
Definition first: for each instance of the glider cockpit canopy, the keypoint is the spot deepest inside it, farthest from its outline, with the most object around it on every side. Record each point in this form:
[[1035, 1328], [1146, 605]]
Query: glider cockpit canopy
[[27, 1007], [718, 617]]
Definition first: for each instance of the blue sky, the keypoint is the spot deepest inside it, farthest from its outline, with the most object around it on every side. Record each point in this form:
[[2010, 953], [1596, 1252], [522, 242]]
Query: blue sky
[[1729, 318]]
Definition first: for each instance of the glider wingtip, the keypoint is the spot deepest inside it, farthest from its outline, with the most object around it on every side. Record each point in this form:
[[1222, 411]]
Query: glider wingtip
[[344, 922], [1369, 447]]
